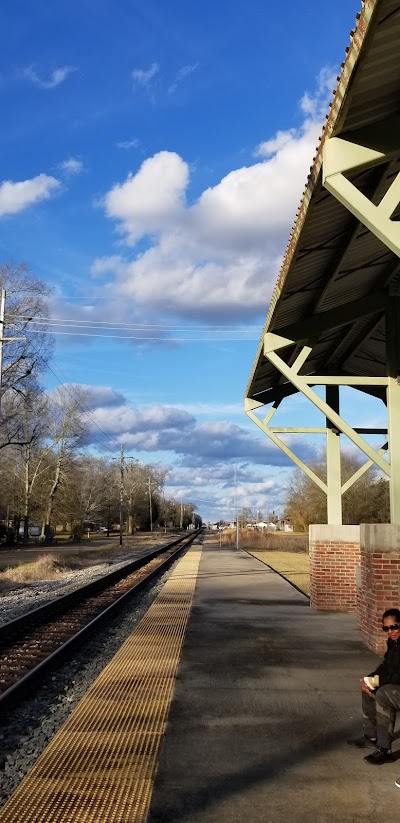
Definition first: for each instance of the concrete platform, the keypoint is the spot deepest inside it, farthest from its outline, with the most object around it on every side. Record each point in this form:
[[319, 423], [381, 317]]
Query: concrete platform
[[266, 695]]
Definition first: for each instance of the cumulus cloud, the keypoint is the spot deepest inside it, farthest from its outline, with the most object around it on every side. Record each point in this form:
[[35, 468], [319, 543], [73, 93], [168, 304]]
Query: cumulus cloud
[[314, 105], [211, 463], [218, 256], [71, 166], [55, 79], [219, 489], [143, 427], [96, 397], [152, 199], [175, 430], [15, 197]]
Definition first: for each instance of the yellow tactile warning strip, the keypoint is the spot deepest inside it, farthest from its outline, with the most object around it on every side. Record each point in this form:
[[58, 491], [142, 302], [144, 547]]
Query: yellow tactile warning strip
[[100, 766]]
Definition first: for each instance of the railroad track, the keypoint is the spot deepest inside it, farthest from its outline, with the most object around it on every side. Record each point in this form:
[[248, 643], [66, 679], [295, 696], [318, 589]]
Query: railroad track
[[34, 643]]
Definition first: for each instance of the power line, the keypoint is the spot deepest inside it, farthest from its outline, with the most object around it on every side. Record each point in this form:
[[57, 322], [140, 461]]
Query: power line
[[215, 329], [94, 439], [85, 411], [136, 337], [107, 326]]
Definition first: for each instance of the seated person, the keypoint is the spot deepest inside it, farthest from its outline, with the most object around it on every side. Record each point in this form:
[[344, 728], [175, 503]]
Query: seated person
[[381, 697]]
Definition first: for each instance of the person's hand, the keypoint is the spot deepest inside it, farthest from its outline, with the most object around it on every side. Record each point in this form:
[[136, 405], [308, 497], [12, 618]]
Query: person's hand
[[364, 687]]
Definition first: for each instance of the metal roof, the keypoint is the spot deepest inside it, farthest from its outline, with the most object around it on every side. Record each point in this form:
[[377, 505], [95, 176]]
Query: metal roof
[[332, 259]]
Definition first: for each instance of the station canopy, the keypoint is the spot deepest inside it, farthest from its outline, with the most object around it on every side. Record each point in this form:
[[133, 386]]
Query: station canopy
[[337, 273]]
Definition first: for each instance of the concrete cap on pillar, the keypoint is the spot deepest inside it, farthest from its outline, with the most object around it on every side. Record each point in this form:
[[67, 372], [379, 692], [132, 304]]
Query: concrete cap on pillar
[[380, 537]]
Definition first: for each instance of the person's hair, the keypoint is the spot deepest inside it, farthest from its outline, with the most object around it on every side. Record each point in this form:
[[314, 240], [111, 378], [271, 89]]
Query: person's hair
[[392, 613]]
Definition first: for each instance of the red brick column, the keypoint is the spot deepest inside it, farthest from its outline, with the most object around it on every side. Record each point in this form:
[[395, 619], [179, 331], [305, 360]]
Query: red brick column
[[379, 580], [334, 557]]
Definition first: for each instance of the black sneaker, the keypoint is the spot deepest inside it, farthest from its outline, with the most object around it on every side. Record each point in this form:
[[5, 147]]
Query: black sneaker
[[363, 742], [397, 783], [379, 756]]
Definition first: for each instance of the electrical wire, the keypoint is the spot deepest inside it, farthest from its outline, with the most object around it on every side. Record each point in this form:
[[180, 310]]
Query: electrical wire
[[218, 329], [85, 411], [136, 337]]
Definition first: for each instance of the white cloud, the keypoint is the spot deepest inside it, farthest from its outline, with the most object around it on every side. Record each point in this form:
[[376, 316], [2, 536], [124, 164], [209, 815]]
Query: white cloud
[[71, 166], [314, 105], [55, 79], [214, 492], [214, 409], [152, 199], [281, 140], [143, 77], [184, 71], [128, 144], [173, 429], [15, 197], [220, 255], [96, 397], [206, 460]]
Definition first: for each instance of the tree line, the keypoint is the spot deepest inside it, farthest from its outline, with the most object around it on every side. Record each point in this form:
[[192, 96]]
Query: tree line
[[49, 476], [367, 501]]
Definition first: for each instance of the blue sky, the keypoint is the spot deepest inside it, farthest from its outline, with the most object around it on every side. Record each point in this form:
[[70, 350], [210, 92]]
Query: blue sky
[[153, 156]]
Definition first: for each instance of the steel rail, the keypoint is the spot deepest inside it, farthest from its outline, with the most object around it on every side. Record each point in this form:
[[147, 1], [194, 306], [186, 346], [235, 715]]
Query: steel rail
[[43, 615]]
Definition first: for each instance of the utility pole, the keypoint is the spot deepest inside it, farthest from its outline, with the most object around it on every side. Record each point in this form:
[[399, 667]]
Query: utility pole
[[4, 340], [151, 507], [181, 520], [121, 491], [2, 313], [151, 502], [121, 496], [237, 511]]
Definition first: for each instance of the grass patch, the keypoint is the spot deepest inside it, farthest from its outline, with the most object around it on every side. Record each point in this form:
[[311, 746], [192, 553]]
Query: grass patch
[[293, 566], [52, 565], [46, 567]]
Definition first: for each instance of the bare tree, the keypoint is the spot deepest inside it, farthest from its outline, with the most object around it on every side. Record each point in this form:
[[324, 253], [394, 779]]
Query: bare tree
[[365, 502], [33, 414], [26, 358], [66, 435], [98, 489]]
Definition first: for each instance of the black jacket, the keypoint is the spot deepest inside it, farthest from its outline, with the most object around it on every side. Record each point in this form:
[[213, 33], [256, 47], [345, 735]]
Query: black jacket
[[389, 669]]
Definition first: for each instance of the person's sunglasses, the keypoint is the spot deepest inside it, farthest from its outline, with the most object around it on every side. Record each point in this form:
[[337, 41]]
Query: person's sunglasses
[[393, 628]]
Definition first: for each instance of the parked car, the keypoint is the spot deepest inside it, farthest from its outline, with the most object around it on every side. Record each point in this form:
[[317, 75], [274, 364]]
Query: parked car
[[33, 531]]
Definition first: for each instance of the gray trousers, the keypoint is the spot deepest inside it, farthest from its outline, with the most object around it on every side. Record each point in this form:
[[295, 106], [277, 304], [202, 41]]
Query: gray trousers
[[379, 713]]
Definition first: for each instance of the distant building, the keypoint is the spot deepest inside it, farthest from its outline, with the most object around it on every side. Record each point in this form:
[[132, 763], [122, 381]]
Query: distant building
[[285, 525]]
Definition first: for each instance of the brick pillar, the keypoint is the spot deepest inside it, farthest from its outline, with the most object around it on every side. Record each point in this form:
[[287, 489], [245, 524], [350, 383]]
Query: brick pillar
[[334, 556], [379, 580]]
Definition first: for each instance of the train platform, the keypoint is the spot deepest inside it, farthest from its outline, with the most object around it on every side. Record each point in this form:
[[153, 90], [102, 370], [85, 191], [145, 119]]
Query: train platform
[[231, 701]]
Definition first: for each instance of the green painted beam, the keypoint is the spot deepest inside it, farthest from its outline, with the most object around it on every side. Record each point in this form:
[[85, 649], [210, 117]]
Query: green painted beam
[[301, 384], [283, 447]]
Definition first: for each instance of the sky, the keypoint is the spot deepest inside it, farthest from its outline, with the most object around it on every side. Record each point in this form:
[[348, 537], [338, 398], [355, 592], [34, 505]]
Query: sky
[[153, 156]]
